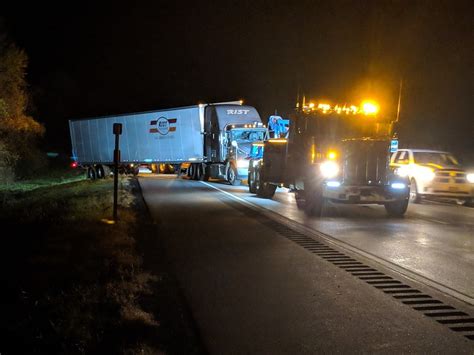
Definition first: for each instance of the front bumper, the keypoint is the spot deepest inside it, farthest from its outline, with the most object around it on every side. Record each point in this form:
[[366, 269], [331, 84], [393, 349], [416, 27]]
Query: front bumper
[[448, 190], [365, 194]]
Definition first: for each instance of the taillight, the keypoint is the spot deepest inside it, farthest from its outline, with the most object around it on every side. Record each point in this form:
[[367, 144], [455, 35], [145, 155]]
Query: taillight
[[74, 164]]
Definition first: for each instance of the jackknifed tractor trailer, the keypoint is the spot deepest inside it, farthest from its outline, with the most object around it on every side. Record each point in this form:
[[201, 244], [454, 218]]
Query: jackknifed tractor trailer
[[208, 140]]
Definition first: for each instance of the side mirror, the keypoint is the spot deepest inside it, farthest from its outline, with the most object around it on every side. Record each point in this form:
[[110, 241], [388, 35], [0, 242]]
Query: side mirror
[[234, 144]]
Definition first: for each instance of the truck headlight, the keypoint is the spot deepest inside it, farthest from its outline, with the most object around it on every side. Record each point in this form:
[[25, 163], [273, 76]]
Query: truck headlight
[[329, 169], [242, 163], [424, 173], [470, 177], [402, 171], [398, 185]]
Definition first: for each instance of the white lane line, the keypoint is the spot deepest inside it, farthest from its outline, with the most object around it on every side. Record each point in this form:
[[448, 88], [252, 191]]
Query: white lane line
[[227, 193], [302, 228]]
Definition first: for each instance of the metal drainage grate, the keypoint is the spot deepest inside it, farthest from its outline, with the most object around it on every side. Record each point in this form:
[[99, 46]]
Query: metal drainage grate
[[456, 320]]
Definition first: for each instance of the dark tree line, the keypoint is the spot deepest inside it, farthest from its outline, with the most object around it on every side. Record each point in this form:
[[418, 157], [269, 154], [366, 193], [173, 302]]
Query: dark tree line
[[19, 132]]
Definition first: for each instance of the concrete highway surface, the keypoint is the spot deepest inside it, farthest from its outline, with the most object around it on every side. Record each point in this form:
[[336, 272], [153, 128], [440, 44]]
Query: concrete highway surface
[[262, 278]]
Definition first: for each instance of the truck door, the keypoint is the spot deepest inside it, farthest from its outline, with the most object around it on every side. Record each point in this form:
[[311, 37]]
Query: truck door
[[211, 141]]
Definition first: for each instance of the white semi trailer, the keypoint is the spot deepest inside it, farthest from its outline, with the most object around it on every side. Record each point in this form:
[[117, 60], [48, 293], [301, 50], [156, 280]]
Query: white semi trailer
[[212, 140]]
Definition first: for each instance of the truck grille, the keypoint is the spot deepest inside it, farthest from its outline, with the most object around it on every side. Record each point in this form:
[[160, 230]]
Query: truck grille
[[365, 162], [450, 176]]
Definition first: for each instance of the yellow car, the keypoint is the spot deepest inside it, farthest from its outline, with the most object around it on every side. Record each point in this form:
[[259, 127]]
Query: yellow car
[[433, 173]]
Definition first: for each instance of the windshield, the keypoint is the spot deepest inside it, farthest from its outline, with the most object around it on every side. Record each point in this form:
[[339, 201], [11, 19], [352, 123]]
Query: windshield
[[336, 127], [434, 158], [243, 136]]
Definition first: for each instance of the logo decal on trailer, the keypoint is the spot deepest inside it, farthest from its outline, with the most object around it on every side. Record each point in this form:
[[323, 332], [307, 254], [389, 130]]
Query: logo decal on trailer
[[163, 125]]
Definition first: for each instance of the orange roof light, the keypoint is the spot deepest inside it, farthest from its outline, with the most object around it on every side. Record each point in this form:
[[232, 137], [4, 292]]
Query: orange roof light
[[370, 108]]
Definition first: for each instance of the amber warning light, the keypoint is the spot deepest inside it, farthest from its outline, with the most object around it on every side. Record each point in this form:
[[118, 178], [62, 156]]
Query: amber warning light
[[368, 108]]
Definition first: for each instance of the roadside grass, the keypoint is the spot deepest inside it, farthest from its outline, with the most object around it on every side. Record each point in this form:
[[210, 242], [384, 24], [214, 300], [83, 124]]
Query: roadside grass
[[73, 284], [56, 176]]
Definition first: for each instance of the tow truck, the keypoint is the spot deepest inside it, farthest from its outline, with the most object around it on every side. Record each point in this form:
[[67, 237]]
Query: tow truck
[[336, 153]]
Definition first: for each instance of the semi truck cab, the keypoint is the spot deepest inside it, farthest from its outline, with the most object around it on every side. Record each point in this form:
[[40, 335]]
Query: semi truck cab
[[237, 145], [229, 132]]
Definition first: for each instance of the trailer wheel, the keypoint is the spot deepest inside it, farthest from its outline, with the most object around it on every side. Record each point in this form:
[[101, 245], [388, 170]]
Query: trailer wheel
[[91, 174], [232, 176], [197, 172], [202, 169], [397, 208], [190, 171], [100, 171]]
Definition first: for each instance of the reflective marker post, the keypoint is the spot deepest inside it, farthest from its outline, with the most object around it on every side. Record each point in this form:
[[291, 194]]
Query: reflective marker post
[[117, 132]]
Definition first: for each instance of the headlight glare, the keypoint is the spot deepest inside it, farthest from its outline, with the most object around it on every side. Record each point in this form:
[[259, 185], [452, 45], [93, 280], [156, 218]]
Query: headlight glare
[[402, 171], [329, 169], [398, 185], [242, 163], [470, 177], [424, 173]]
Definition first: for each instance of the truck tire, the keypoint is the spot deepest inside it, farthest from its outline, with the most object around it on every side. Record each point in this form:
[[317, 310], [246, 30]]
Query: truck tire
[[91, 174], [232, 176], [314, 201], [190, 171], [198, 173], [299, 198], [251, 178], [207, 172], [263, 189], [100, 171], [469, 202], [414, 195], [397, 208]]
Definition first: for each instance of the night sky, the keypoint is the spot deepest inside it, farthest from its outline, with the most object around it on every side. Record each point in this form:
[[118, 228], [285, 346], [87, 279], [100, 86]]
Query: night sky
[[90, 60]]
